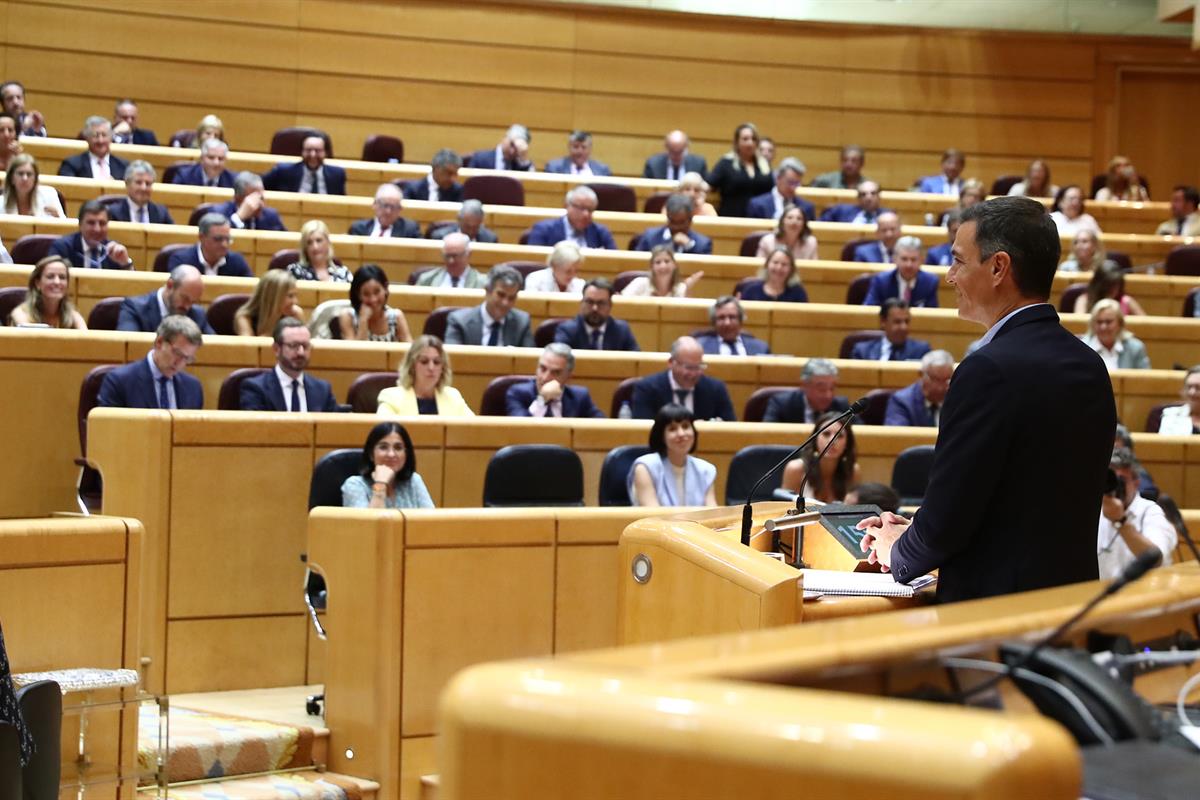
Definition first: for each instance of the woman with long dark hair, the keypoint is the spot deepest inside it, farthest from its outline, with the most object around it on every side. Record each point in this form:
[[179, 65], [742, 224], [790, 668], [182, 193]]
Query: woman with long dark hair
[[836, 473]]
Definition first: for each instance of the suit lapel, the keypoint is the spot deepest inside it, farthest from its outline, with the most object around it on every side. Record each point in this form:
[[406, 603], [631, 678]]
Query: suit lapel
[[277, 390]]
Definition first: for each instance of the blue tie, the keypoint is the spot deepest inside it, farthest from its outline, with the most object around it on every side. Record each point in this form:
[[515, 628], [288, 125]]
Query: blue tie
[[596, 344], [494, 337], [164, 396], [295, 395]]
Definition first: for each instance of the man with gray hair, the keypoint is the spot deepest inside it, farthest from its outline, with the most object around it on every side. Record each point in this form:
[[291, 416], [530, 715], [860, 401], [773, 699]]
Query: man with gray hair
[[1129, 523], [728, 339], [675, 161], [137, 205], [816, 395], [920, 404], [685, 383], [210, 169], [788, 178], [677, 233], [470, 222], [97, 162], [578, 160], [440, 184], [547, 394], [495, 322], [159, 380], [457, 272], [387, 222], [180, 295], [212, 255], [576, 225], [248, 210], [512, 152], [907, 281]]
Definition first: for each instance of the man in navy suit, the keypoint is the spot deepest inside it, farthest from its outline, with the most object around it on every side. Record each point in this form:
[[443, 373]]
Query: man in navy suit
[[210, 170], [309, 175], [440, 184], [950, 181], [919, 404], [548, 393], [677, 233], [180, 295], [727, 317], [894, 345], [137, 205], [788, 178], [29, 123], [512, 153], [849, 176], [286, 387], [941, 255], [594, 327], [882, 250], [579, 159], [96, 162], [212, 255], [387, 222], [125, 126], [90, 247], [470, 224], [816, 395], [1033, 406], [907, 281], [675, 161], [575, 225], [683, 382], [159, 380], [248, 210], [864, 212]]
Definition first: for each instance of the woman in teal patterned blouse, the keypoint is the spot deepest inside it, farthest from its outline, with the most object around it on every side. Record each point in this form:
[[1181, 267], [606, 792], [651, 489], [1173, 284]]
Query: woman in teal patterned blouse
[[389, 478]]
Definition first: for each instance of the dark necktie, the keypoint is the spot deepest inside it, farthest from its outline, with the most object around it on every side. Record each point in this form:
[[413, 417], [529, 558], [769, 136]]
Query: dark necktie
[[596, 343], [732, 345], [454, 282], [681, 396], [314, 187], [895, 355], [933, 414], [494, 336], [142, 216], [295, 395], [95, 258], [164, 397], [1179, 227]]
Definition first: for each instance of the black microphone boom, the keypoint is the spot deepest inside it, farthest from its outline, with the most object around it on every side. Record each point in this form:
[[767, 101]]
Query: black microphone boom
[[857, 407]]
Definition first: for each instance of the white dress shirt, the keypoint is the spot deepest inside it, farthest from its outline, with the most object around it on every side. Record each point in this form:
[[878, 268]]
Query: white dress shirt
[[285, 383], [689, 401], [205, 267], [1113, 555]]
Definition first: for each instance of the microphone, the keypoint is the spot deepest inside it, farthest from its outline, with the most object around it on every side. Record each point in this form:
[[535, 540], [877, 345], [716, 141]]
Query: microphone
[[857, 407], [1139, 567]]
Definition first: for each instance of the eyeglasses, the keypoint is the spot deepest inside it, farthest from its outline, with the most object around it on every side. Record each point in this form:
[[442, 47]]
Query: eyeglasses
[[222, 239], [296, 345], [387, 206], [179, 356], [581, 207], [691, 367], [603, 303]]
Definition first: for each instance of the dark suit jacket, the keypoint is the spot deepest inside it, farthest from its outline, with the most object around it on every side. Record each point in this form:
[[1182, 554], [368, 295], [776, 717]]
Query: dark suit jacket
[[140, 136], [465, 326], [871, 253], [883, 286], [132, 386], [907, 407], [562, 166], [263, 393], [234, 267], [267, 220], [710, 398], [486, 159], [141, 313], [402, 228], [70, 247], [288, 178], [483, 235], [1022, 454], [845, 212], [656, 165], [193, 175], [711, 343], [80, 166], [576, 400], [158, 213], [939, 255], [617, 335], [419, 190], [700, 244], [792, 407], [912, 350], [550, 232], [763, 207]]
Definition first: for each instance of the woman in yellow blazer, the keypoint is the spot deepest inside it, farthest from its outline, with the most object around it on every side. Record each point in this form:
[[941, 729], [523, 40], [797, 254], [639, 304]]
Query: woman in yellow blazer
[[424, 384]]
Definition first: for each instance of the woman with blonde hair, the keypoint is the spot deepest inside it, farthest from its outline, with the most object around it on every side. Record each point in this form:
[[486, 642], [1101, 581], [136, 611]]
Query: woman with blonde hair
[[792, 232], [663, 278], [741, 173], [423, 386], [274, 297], [777, 280], [693, 185], [1087, 253], [209, 127], [1107, 335], [315, 262], [23, 192], [46, 301], [1122, 183], [561, 273]]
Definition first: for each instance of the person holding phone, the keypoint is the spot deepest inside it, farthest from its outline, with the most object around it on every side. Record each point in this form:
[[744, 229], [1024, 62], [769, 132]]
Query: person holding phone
[[1129, 523]]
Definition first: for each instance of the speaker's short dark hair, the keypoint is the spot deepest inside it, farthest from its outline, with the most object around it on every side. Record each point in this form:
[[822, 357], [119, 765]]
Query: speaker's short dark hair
[[1020, 227]]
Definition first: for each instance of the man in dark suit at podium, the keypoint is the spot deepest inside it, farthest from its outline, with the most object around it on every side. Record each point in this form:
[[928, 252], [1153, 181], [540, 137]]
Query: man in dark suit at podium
[[286, 387], [1031, 407]]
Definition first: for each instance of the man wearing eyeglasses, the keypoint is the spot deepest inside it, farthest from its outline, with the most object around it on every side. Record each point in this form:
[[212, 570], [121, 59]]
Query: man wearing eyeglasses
[[387, 222], [576, 225], [685, 383], [594, 327], [212, 255], [160, 379], [286, 387]]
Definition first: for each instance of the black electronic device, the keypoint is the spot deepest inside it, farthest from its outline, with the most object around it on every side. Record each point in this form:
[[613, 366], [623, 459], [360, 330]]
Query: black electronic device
[[842, 521]]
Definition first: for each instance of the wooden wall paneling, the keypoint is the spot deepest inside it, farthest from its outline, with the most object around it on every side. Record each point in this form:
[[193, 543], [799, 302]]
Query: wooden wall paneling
[[207, 655], [585, 598], [1166, 158]]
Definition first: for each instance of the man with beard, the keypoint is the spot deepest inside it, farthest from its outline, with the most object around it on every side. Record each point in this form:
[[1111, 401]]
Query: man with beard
[[594, 327]]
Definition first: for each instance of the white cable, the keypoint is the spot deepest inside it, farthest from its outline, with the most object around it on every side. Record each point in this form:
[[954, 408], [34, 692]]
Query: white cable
[[1181, 705], [1158, 657], [1041, 680]]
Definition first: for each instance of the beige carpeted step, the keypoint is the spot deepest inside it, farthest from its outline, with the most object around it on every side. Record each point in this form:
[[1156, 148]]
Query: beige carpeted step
[[306, 785]]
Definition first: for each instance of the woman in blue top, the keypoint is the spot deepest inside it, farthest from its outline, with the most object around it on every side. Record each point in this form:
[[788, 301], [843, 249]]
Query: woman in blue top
[[777, 280], [389, 478], [670, 476]]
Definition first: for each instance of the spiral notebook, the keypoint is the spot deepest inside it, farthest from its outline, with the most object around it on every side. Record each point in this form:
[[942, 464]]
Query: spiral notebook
[[818, 582]]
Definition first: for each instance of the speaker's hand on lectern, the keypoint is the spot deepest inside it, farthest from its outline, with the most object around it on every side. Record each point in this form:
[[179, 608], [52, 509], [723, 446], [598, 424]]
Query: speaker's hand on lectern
[[881, 533]]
